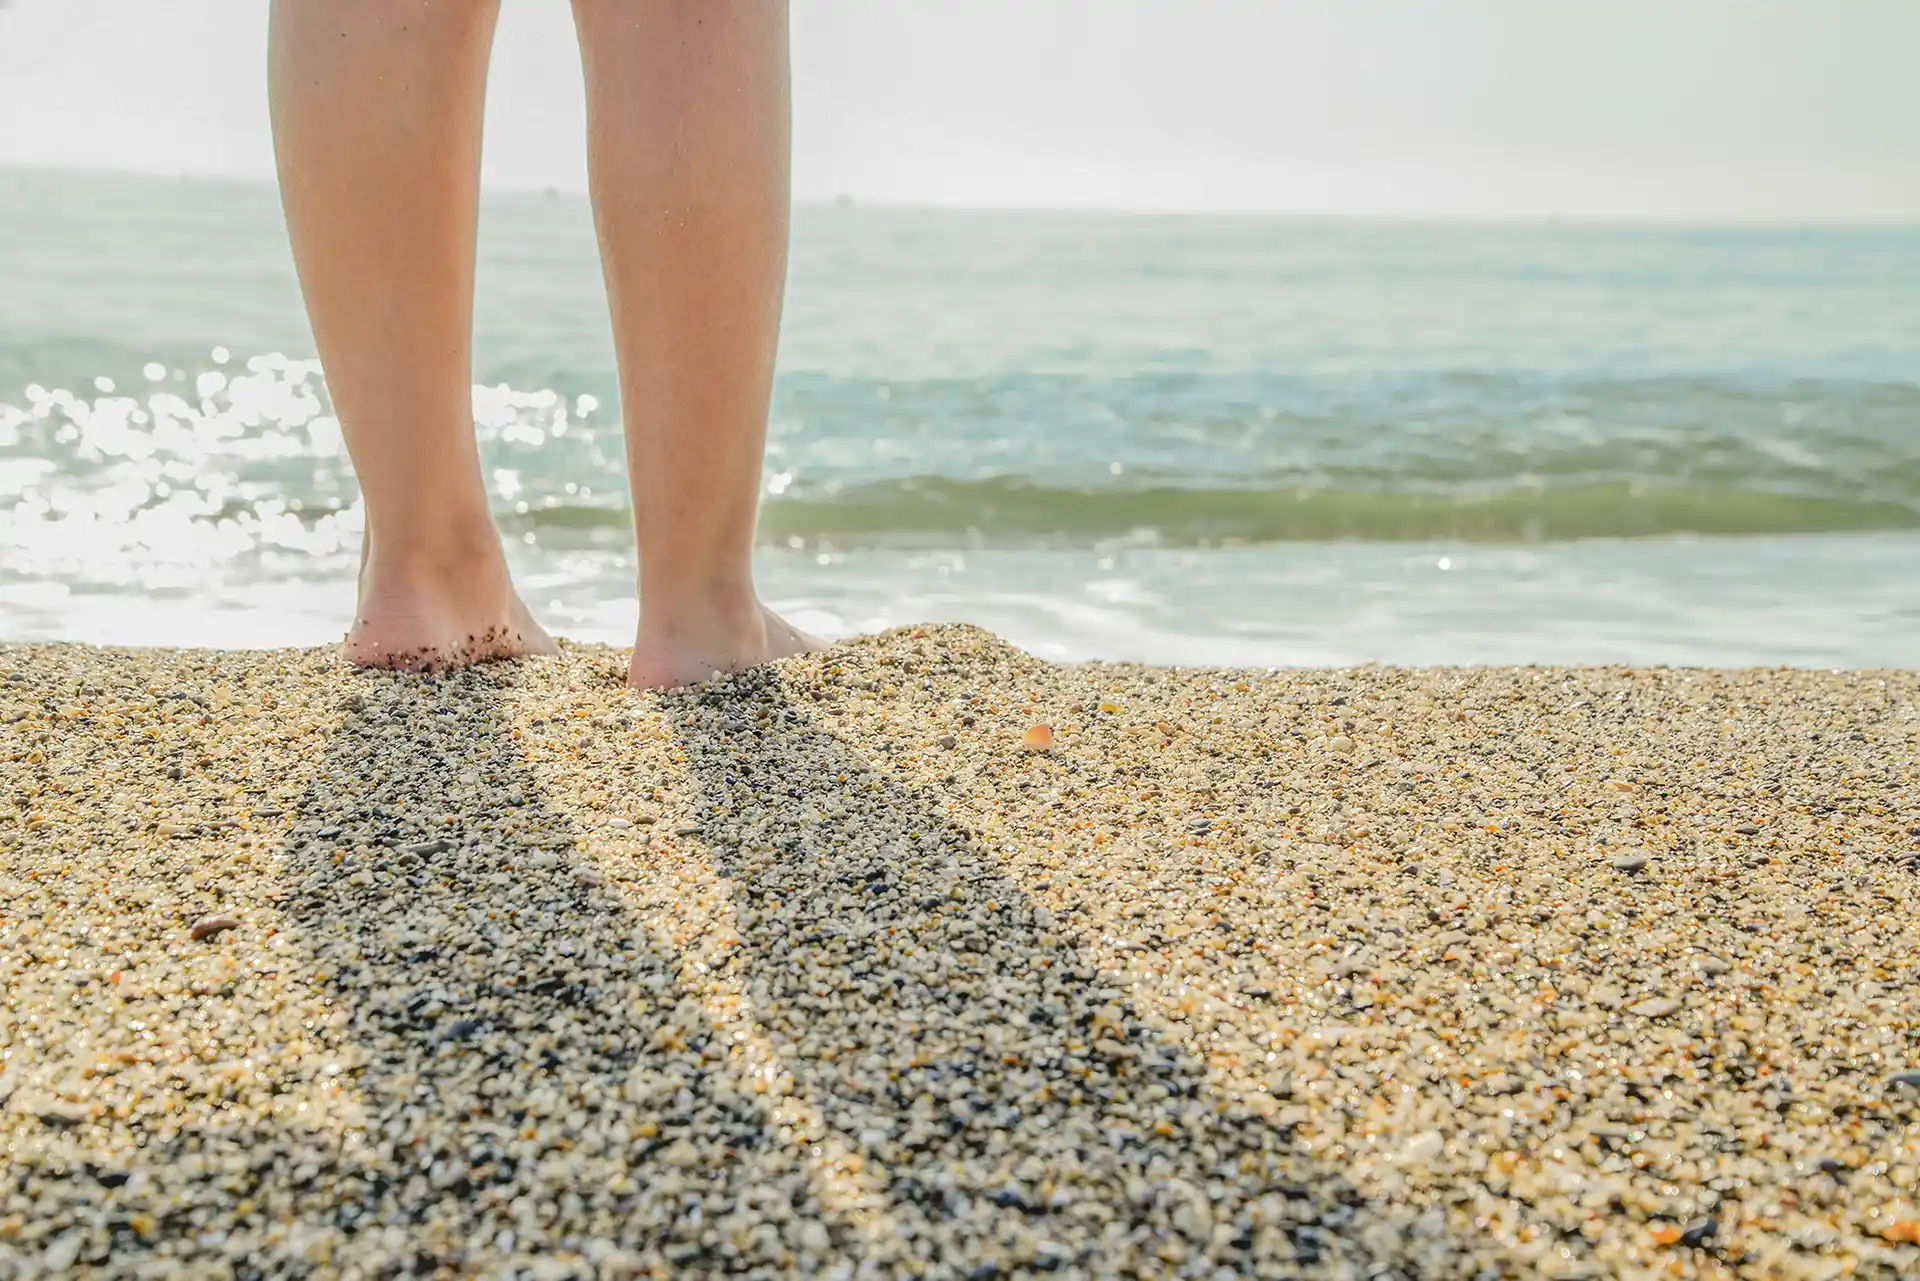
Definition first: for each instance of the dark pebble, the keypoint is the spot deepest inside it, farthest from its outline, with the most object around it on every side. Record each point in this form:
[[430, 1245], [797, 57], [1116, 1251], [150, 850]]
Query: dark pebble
[[1700, 1231]]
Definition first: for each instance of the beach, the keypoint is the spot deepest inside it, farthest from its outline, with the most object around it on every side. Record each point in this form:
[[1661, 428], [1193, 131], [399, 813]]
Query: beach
[[847, 967]]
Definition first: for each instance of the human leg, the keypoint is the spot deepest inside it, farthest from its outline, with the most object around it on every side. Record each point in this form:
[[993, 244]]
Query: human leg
[[687, 118], [377, 108]]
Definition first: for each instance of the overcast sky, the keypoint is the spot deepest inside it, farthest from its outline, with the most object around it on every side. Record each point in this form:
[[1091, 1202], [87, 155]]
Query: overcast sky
[[1666, 109]]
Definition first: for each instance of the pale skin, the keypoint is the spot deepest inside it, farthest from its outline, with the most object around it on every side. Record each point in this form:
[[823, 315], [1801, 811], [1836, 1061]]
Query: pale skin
[[377, 110]]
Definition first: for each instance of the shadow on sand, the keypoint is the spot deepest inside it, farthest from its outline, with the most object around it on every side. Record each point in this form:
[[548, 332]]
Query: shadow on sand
[[901, 1068], [1009, 1107]]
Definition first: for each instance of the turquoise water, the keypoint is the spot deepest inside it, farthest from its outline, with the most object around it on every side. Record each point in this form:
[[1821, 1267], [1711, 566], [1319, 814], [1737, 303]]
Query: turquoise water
[[1182, 439]]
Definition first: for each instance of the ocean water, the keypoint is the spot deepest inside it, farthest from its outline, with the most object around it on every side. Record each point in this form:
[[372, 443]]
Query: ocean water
[[1203, 440]]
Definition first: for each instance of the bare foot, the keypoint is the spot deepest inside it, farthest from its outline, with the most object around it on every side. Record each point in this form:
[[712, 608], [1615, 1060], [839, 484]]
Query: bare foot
[[419, 622], [687, 651]]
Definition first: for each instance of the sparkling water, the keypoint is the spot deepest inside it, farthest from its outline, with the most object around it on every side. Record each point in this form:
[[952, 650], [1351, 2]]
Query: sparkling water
[[1197, 440]]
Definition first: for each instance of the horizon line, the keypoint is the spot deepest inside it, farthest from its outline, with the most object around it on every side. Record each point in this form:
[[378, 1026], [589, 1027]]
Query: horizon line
[[855, 201]]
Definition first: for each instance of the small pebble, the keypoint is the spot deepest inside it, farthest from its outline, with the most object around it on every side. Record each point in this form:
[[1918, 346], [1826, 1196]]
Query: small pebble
[[1038, 738], [1628, 863], [680, 1154], [1748, 829], [620, 824], [1658, 1007], [946, 742], [1423, 1148], [212, 926]]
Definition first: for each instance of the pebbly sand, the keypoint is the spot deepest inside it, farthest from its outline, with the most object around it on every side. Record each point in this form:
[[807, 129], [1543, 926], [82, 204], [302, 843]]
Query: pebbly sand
[[1366, 973]]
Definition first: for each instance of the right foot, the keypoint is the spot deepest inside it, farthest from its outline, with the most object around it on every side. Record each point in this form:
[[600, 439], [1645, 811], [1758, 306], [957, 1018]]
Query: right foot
[[688, 651], [419, 622]]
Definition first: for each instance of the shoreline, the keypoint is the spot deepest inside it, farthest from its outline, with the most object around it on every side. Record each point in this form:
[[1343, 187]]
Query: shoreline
[[1532, 970]]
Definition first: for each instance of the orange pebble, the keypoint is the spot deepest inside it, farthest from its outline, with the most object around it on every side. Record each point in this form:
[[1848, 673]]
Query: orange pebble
[[1903, 1231], [1664, 1233], [1038, 739]]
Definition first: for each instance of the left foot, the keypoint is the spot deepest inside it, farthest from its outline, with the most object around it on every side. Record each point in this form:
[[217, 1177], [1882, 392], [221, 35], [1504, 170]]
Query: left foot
[[433, 622]]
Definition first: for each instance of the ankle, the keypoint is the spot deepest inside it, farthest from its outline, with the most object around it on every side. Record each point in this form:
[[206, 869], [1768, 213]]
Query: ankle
[[417, 559], [711, 609]]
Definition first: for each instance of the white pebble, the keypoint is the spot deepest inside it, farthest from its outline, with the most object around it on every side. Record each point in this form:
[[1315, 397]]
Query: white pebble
[[1423, 1147]]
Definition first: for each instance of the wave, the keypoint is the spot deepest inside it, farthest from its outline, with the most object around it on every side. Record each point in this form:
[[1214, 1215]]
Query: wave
[[1007, 512], [250, 444]]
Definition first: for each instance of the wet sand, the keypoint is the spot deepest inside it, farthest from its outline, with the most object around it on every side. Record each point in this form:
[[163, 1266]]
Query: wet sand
[[821, 971]]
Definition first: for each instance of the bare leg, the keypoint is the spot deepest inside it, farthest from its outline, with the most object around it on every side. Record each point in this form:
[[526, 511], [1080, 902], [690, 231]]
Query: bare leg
[[377, 107], [687, 119]]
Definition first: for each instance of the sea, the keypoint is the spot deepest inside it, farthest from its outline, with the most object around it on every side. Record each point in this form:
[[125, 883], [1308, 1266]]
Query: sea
[[1237, 441]]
